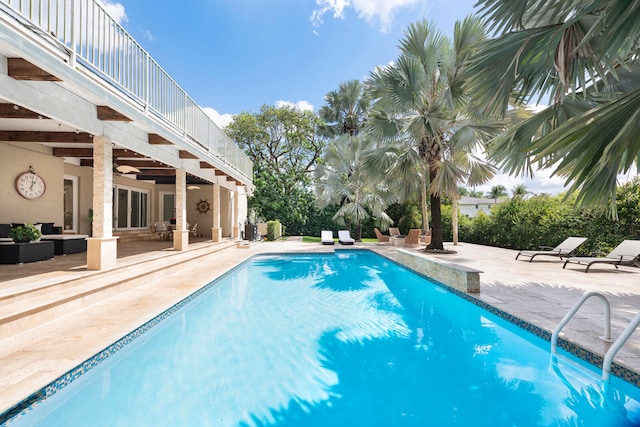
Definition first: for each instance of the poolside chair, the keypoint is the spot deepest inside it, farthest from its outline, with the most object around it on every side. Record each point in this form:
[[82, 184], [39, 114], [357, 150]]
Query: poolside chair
[[565, 249], [626, 253], [395, 232], [345, 238], [382, 239], [413, 238], [326, 237], [426, 239]]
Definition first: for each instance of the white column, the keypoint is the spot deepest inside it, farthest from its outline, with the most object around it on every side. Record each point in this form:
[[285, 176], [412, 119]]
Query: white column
[[102, 247], [181, 234], [216, 230]]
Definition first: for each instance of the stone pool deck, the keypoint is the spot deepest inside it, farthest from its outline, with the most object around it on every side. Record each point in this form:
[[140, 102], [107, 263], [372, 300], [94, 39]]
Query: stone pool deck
[[540, 293]]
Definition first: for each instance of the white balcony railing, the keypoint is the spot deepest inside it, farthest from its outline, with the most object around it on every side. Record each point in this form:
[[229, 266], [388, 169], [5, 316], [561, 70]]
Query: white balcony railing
[[93, 39]]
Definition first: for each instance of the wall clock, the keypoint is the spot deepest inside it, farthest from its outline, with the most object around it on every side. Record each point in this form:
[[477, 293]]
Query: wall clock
[[203, 206], [29, 185]]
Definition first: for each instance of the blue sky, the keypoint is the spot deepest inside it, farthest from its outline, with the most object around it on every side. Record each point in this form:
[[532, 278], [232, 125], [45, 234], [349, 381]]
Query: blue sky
[[237, 55]]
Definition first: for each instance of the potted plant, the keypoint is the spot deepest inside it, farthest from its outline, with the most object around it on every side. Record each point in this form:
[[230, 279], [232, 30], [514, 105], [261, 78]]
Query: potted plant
[[24, 233]]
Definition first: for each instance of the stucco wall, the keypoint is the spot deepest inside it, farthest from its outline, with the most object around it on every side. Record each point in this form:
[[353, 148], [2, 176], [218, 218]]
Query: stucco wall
[[15, 160]]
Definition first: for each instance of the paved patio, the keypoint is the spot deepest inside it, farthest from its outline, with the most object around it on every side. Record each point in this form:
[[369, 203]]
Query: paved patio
[[540, 293]]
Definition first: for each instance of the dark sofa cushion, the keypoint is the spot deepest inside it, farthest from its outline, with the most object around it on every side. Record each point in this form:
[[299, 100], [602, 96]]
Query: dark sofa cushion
[[47, 228], [4, 230], [17, 224]]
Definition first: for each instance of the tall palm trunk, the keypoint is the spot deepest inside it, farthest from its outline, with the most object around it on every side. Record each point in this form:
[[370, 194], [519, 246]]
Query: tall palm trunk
[[423, 207], [436, 217], [454, 219]]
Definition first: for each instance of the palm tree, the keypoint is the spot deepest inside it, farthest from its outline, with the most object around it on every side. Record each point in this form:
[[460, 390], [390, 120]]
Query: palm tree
[[427, 120], [519, 191], [342, 180], [585, 55], [497, 191], [346, 110]]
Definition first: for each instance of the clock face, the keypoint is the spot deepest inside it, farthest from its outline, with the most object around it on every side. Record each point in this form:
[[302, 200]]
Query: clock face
[[30, 186]]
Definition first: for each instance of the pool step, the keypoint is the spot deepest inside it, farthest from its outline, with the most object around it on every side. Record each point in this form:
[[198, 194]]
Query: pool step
[[22, 310]]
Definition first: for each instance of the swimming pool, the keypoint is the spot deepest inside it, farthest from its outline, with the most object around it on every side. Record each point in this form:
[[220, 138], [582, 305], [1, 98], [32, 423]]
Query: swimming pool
[[344, 339]]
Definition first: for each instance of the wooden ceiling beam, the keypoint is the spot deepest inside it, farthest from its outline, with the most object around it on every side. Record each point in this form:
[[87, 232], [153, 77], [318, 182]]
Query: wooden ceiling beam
[[155, 139], [184, 154], [220, 173], [88, 153], [205, 165], [140, 164], [21, 69], [12, 111], [158, 172], [37, 136], [107, 113]]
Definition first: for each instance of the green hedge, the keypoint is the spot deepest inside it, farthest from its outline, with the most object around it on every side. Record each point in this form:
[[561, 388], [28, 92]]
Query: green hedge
[[548, 220]]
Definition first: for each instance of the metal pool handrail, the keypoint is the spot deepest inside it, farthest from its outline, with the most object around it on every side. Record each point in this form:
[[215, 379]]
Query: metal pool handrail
[[576, 307], [622, 339]]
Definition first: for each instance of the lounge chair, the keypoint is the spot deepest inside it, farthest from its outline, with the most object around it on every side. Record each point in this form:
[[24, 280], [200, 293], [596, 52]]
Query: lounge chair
[[626, 253], [413, 238], [345, 238], [381, 237], [565, 249], [326, 237], [395, 232]]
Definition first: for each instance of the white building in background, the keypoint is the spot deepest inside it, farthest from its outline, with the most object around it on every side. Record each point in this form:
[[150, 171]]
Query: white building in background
[[470, 206]]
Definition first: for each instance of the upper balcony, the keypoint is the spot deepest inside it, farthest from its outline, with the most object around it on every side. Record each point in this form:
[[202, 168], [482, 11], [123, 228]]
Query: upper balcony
[[79, 42]]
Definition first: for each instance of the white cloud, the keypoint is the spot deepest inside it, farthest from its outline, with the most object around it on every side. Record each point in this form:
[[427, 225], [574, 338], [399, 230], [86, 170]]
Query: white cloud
[[147, 35], [116, 11], [372, 11], [221, 120], [300, 105]]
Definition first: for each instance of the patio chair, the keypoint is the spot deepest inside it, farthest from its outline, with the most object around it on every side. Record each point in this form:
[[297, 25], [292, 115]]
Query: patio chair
[[426, 238], [395, 232], [345, 238], [326, 237], [413, 238], [160, 230], [565, 249], [382, 239], [626, 253]]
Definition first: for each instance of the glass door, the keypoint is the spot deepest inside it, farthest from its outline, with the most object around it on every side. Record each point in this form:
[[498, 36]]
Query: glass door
[[131, 208], [167, 206], [70, 204]]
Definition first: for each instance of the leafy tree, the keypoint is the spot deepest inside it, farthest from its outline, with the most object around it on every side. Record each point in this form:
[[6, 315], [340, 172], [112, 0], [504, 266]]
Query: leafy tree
[[427, 120], [284, 148], [346, 110], [585, 55], [342, 180]]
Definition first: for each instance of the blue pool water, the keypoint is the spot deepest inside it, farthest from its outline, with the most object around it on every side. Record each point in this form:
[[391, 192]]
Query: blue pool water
[[349, 339]]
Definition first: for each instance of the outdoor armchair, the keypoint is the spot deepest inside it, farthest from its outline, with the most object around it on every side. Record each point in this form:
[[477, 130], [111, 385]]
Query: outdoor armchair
[[381, 237]]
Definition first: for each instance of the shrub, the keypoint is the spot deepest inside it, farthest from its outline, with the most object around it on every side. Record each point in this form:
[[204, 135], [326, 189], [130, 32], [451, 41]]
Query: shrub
[[24, 233], [273, 230]]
